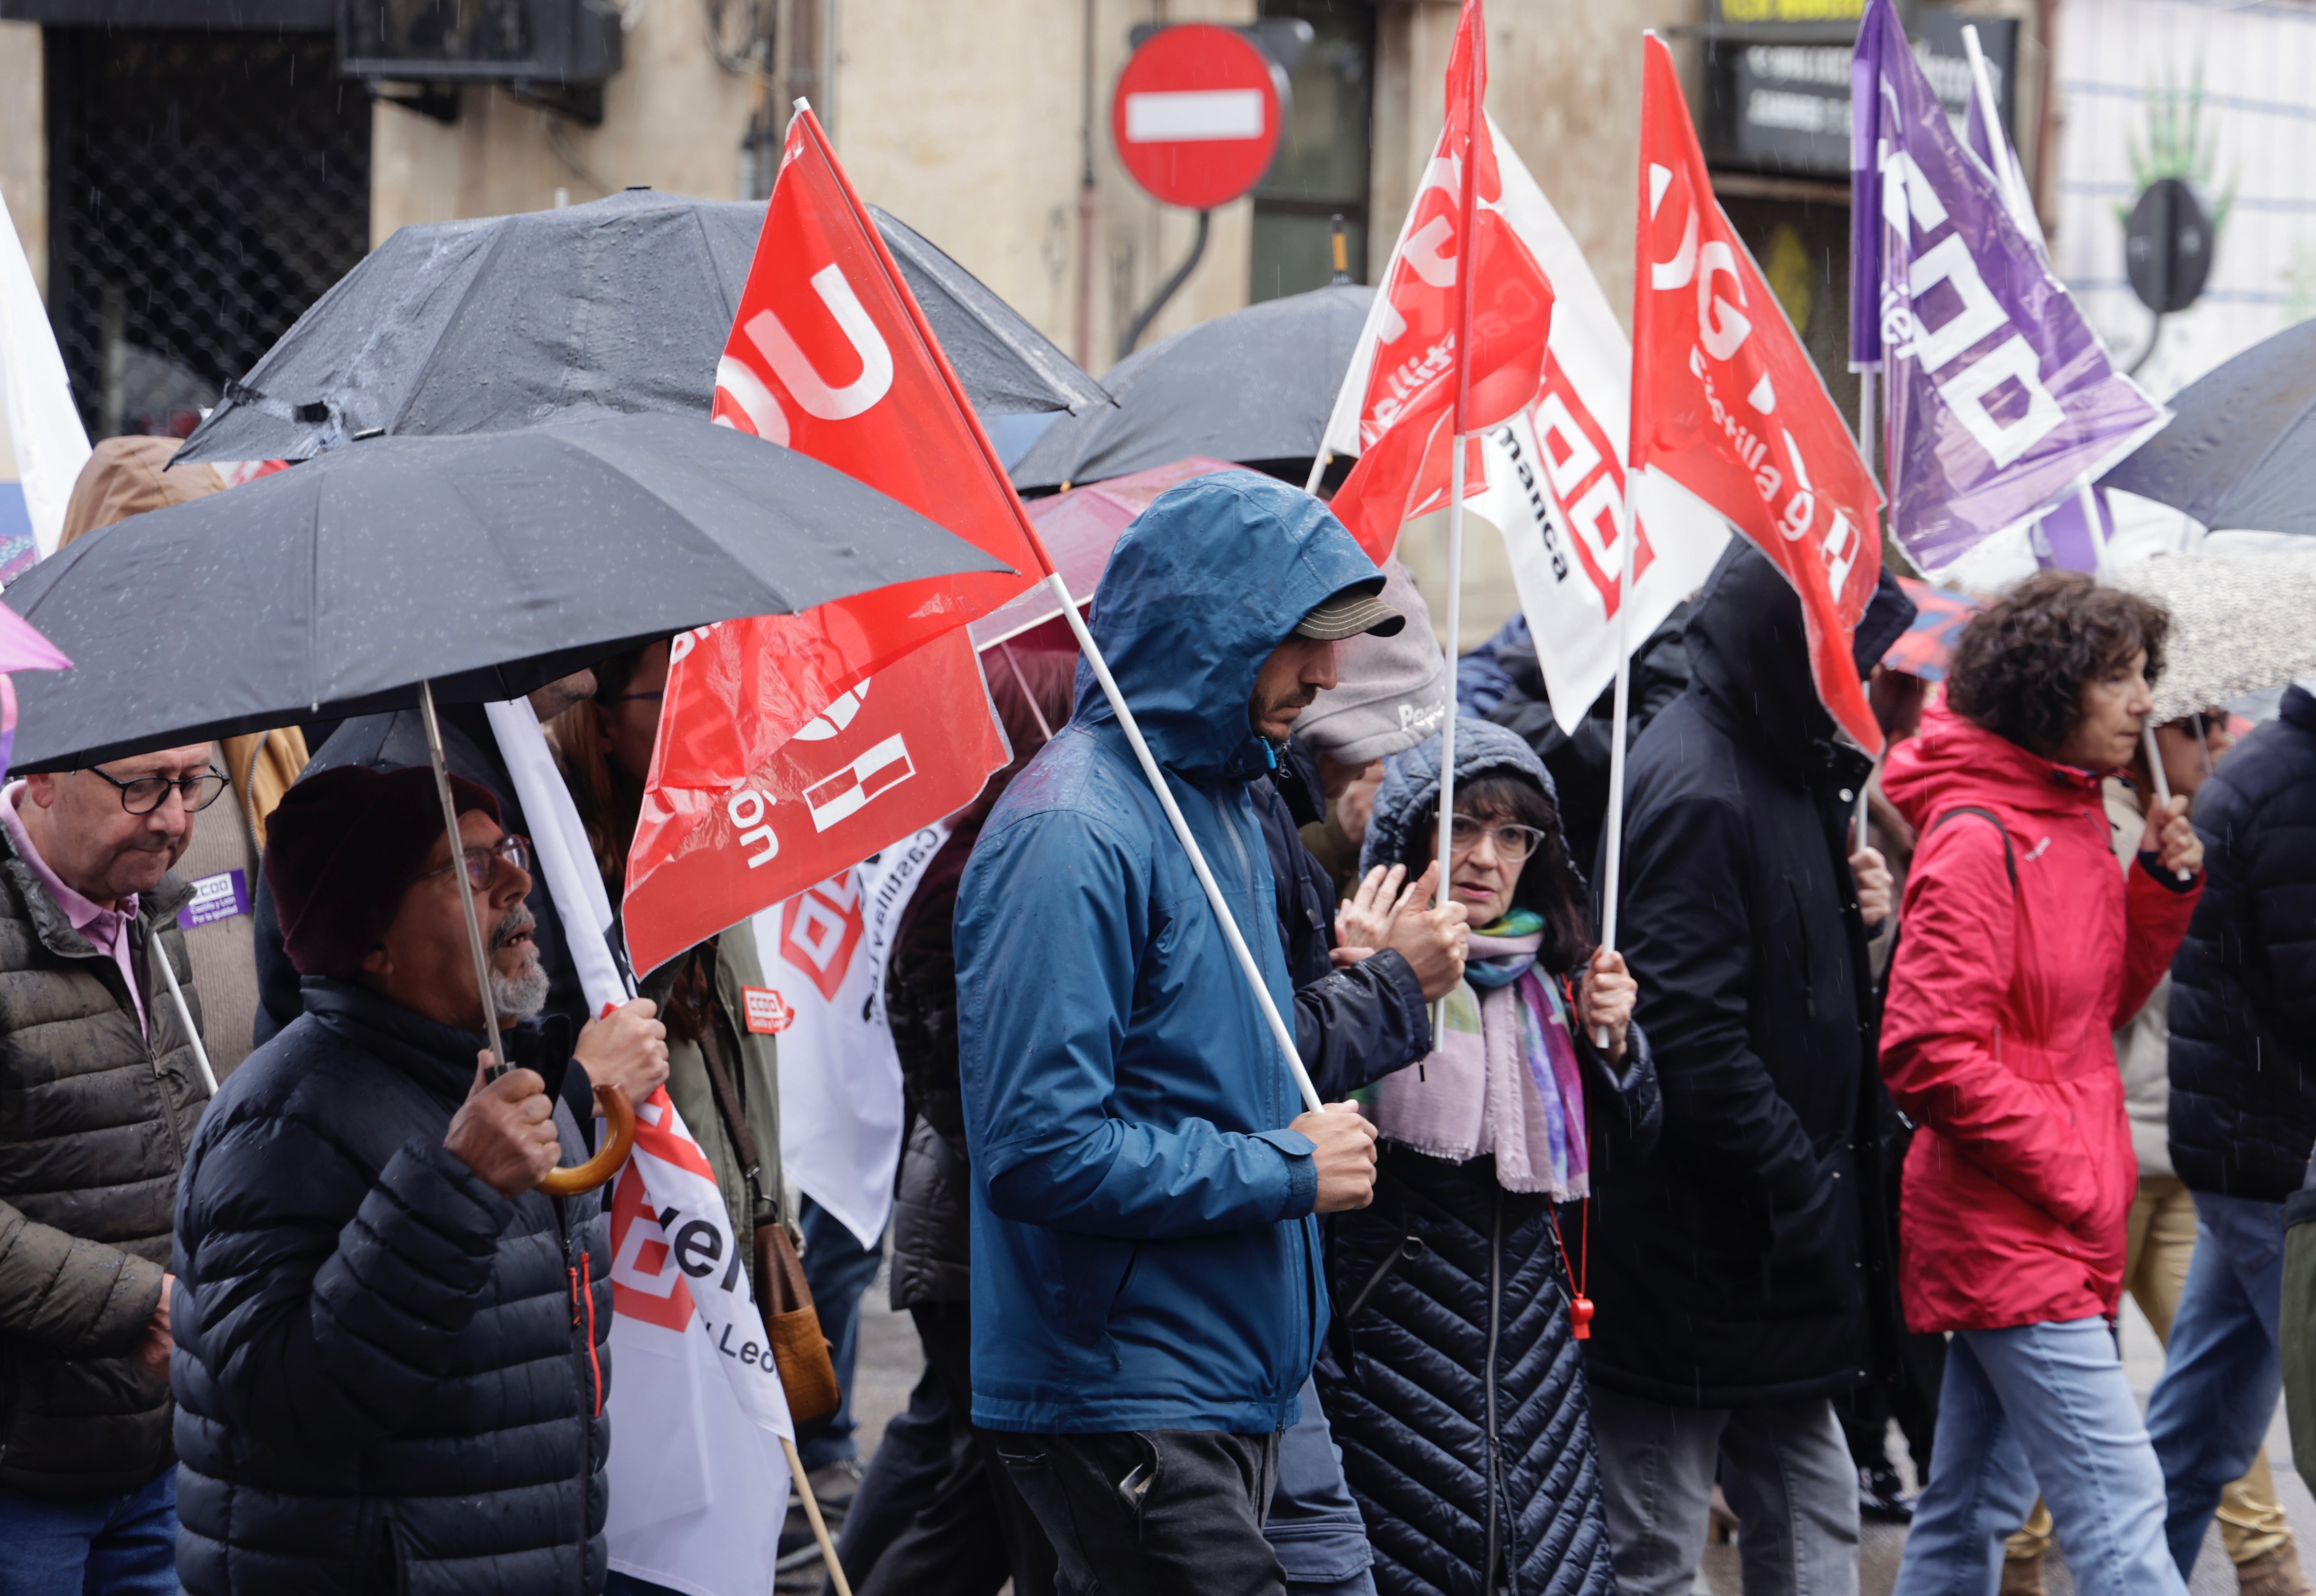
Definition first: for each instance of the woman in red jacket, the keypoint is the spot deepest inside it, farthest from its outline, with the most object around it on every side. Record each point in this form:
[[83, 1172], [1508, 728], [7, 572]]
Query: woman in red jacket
[[2023, 948]]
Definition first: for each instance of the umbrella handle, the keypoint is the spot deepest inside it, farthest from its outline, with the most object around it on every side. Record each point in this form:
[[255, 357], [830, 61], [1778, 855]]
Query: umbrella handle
[[621, 1114]]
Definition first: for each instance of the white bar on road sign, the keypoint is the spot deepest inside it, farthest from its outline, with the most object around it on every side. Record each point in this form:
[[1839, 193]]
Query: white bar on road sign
[[1194, 114]]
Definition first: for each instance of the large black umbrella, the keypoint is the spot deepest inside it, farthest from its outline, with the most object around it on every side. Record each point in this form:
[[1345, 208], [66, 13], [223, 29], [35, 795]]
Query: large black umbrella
[[2240, 450], [488, 565], [1256, 385], [621, 305]]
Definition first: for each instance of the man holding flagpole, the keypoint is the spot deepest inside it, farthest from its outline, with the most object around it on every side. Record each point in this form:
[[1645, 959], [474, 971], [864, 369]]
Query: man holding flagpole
[[1148, 1290]]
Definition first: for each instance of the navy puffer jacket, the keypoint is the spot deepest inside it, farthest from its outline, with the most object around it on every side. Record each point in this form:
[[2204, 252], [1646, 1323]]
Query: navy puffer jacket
[[389, 1378], [2244, 986], [1461, 1403]]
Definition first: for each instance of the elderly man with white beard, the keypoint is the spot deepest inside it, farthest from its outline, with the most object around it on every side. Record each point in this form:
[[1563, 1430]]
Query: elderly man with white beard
[[390, 1365]]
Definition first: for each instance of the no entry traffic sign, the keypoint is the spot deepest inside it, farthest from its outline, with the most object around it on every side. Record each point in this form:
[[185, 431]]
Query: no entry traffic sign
[[1198, 115]]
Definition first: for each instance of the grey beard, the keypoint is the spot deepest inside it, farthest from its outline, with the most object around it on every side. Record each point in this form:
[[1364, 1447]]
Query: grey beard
[[519, 996]]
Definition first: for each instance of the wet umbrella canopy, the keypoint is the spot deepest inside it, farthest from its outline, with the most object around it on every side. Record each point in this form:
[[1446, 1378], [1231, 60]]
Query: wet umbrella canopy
[[1255, 385], [622, 305], [2241, 452], [488, 564], [2239, 622]]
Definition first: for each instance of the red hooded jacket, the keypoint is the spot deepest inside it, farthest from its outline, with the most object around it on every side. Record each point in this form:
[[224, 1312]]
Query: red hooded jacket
[[1997, 1037]]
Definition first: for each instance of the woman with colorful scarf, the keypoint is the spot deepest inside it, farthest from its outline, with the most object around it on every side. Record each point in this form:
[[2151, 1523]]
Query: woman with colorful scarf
[[1455, 1384]]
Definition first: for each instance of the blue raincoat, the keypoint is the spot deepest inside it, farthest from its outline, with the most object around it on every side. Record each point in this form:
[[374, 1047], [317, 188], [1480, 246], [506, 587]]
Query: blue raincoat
[[1144, 1252]]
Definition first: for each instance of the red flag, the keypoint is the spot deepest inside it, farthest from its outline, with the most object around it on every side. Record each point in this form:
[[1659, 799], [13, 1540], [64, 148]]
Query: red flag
[[1419, 393], [1727, 404], [791, 747]]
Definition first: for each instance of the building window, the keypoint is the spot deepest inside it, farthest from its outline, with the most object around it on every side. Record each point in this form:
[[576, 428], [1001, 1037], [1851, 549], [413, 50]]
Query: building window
[[1322, 169]]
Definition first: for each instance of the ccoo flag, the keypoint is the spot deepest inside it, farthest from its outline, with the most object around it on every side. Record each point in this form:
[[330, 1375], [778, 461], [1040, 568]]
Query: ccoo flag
[[792, 746], [2002, 403], [1726, 403], [1402, 403]]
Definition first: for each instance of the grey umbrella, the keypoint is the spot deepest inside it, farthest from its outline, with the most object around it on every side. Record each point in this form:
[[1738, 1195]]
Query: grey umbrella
[[487, 565], [2239, 622], [2240, 451], [1253, 386], [621, 305]]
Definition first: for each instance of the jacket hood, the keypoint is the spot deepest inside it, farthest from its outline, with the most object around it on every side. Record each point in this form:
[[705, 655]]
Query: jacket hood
[[1410, 793], [126, 476], [1954, 763], [1748, 652], [1199, 590]]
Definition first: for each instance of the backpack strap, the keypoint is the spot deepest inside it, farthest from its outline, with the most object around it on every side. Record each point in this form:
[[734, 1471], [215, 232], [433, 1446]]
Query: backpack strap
[[2009, 857]]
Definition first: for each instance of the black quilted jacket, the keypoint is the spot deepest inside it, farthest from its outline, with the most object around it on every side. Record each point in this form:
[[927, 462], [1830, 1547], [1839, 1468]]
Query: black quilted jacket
[[389, 1378], [2244, 986], [1465, 1419], [94, 1118]]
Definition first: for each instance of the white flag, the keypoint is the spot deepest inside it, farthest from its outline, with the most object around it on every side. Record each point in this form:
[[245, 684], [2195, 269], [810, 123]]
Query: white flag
[[823, 952], [42, 447], [1554, 475], [698, 1483]]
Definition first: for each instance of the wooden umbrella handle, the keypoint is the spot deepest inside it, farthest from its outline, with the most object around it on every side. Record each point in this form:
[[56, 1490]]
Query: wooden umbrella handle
[[620, 1115]]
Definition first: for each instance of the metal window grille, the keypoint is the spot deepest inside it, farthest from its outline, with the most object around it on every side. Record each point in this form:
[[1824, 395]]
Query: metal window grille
[[204, 189]]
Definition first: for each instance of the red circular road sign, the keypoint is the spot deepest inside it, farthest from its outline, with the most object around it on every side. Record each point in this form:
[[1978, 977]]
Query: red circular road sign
[[1197, 115]]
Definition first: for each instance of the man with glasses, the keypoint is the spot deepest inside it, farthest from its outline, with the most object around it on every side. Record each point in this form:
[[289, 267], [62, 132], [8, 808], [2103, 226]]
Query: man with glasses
[[391, 1344], [99, 1096]]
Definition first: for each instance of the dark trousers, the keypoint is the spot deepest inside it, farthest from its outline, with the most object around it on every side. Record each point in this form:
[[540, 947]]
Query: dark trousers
[[1153, 1512], [937, 1512], [838, 1268]]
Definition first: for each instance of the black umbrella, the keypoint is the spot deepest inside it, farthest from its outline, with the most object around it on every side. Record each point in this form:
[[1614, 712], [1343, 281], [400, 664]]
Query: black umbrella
[[621, 305], [2240, 450], [488, 565], [1255, 385]]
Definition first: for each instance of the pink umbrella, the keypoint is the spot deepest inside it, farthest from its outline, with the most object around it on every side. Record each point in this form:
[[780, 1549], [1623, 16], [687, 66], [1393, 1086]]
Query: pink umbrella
[[1080, 528], [22, 649]]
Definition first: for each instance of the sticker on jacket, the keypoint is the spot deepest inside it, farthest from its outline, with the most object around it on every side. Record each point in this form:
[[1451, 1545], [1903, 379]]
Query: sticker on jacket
[[767, 1012], [215, 898]]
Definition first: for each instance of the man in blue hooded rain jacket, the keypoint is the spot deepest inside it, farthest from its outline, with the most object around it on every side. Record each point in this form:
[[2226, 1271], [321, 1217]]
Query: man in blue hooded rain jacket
[[1148, 1290]]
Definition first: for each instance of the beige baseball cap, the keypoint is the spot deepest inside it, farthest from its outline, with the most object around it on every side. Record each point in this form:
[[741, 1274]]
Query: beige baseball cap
[[1351, 613]]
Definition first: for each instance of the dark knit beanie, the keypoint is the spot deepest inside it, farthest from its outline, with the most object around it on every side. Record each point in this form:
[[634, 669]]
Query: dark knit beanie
[[341, 849]]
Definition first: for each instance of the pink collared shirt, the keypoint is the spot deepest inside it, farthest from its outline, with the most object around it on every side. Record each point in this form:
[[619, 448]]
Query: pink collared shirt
[[107, 929]]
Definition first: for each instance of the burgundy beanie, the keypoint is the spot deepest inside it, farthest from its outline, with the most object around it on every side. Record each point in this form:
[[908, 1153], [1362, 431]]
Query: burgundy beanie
[[341, 850]]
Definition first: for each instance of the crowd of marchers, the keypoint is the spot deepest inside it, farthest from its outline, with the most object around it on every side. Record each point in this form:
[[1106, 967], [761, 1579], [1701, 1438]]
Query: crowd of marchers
[[1881, 1101]]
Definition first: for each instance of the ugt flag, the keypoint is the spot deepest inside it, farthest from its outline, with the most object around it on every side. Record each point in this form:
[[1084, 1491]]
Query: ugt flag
[[1399, 408], [824, 952], [698, 1413], [1726, 403], [41, 445], [1556, 484], [2001, 404], [790, 747]]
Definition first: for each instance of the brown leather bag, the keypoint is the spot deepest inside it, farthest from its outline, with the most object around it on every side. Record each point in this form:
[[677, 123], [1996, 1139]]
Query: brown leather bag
[[783, 1294]]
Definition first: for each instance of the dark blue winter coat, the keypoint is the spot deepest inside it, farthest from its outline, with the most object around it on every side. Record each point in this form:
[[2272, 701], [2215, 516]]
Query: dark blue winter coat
[[1143, 1255], [2243, 985], [389, 1378]]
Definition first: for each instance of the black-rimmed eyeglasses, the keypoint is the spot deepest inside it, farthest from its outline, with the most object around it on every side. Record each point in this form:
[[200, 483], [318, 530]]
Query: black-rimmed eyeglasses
[[141, 795]]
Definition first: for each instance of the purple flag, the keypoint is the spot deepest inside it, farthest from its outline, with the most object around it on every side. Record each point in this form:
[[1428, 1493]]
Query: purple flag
[[2000, 402]]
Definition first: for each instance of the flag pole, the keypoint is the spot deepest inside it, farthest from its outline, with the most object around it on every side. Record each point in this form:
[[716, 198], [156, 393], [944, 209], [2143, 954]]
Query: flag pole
[[1086, 645], [1467, 209], [1619, 719]]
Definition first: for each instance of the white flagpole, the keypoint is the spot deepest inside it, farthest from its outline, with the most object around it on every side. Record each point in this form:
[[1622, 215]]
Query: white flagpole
[[1866, 427], [1620, 718], [1157, 780], [1448, 647]]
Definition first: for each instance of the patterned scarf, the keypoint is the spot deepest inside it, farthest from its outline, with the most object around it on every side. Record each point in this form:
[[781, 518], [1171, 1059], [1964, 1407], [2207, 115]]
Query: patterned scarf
[[1504, 1077]]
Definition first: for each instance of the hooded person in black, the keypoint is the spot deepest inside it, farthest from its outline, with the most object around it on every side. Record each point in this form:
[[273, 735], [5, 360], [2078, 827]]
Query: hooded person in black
[[1739, 1285]]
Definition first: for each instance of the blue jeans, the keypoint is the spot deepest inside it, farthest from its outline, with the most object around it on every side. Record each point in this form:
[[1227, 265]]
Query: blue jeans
[[111, 1546], [839, 1269], [2047, 1404], [2222, 1373], [1315, 1526]]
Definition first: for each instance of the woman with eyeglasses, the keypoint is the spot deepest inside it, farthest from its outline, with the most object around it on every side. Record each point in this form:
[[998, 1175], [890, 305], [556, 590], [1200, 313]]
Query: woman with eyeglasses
[[1454, 1387]]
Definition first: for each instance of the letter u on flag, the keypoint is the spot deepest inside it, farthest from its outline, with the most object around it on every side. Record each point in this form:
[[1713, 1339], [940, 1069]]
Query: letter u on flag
[[1726, 403], [1404, 399], [2002, 403], [792, 746]]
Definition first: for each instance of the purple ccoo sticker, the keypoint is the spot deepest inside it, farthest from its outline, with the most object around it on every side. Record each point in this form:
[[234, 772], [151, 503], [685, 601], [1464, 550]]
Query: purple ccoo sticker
[[215, 898]]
